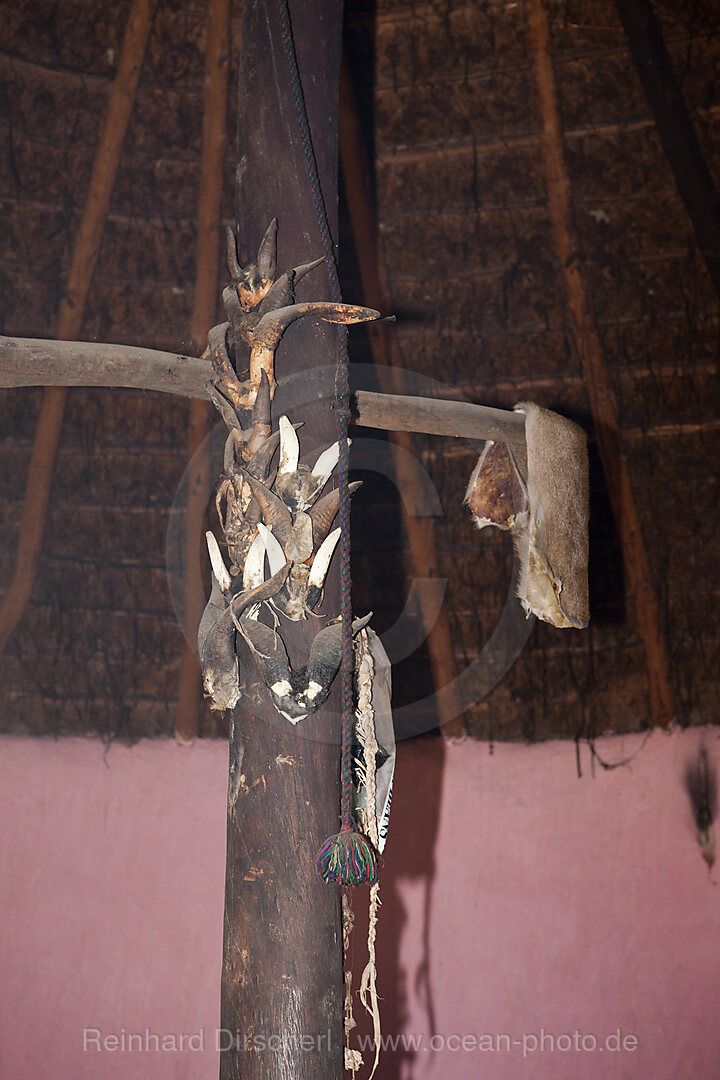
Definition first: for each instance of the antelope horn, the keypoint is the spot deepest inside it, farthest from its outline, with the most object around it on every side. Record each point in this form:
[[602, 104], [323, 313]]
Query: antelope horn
[[325, 464], [274, 510], [272, 325], [254, 569], [324, 512], [324, 661], [289, 447], [321, 562], [281, 293], [224, 407], [275, 553], [261, 408], [219, 569], [267, 252], [232, 259], [216, 640], [259, 463]]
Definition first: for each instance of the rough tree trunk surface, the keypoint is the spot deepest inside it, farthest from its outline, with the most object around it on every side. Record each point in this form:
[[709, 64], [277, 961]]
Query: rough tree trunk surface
[[282, 970]]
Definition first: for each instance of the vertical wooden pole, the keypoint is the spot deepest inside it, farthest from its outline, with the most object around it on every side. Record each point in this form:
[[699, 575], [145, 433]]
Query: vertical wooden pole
[[209, 231], [357, 172], [72, 310], [597, 378], [281, 1013]]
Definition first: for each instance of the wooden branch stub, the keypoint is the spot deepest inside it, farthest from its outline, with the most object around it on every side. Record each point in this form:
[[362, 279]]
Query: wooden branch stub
[[433, 416], [40, 362]]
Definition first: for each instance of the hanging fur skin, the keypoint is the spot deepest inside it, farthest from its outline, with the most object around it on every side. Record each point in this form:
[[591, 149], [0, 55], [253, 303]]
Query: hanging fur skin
[[276, 522], [544, 500]]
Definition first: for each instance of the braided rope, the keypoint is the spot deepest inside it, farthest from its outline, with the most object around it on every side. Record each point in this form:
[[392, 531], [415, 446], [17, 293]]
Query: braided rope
[[342, 393]]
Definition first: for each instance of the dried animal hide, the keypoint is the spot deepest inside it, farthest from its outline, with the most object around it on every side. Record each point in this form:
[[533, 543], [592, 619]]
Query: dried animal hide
[[374, 730], [497, 494], [544, 501]]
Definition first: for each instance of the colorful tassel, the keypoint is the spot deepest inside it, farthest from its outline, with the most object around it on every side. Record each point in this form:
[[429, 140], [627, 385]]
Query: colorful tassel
[[347, 858]]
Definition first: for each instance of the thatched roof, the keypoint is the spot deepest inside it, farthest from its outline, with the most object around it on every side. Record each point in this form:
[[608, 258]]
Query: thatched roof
[[447, 100]]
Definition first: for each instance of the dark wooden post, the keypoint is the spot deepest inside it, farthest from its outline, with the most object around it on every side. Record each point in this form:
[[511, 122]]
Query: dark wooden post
[[282, 969]]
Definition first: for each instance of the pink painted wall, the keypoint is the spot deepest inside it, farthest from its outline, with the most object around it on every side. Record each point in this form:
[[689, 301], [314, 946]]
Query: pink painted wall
[[518, 899], [111, 899]]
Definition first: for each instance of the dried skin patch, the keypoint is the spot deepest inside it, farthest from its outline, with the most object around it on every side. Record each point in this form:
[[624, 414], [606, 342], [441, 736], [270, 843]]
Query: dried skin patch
[[496, 494]]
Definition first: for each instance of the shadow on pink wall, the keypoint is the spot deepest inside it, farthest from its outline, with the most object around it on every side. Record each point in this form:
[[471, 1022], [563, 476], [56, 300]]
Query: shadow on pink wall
[[534, 924]]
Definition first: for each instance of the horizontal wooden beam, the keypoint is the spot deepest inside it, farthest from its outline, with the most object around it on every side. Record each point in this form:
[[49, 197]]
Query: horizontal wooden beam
[[40, 362], [432, 416]]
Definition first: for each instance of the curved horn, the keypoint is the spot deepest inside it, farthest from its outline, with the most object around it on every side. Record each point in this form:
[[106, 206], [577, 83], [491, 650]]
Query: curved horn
[[323, 663], [232, 305], [272, 326], [215, 607], [299, 272], [269, 651], [321, 562], [221, 572], [219, 664], [267, 252], [275, 554], [217, 336], [232, 259], [325, 464], [259, 463], [216, 641], [324, 512], [273, 509], [281, 293], [289, 447], [265, 591], [224, 407], [271, 658], [261, 407], [254, 569], [260, 429]]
